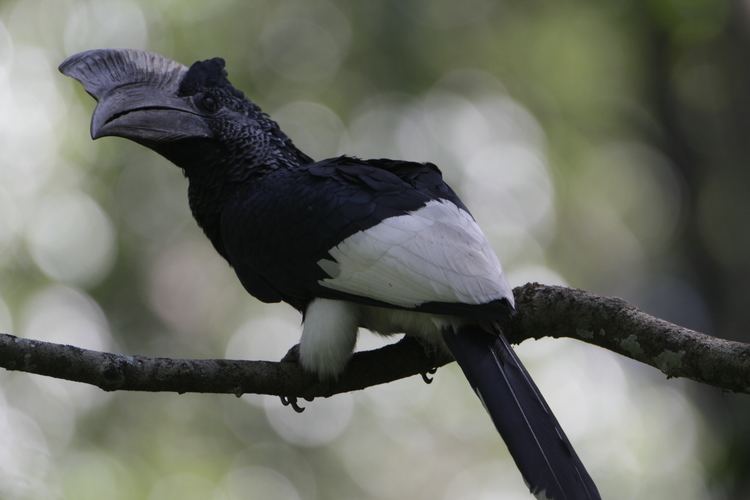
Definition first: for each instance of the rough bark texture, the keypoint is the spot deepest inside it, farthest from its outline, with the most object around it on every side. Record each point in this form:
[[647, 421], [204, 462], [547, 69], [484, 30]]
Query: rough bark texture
[[543, 311]]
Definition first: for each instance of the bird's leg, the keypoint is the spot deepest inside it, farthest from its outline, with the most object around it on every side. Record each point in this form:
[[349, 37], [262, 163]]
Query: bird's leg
[[292, 356]]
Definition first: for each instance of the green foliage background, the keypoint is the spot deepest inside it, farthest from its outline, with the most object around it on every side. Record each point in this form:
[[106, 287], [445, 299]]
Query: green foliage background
[[601, 145]]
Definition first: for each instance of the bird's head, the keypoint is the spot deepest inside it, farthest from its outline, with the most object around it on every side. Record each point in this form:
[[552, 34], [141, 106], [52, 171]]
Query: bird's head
[[191, 115]]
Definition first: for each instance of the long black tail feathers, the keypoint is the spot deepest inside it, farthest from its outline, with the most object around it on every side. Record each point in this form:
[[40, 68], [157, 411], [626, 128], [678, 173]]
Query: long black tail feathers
[[536, 441]]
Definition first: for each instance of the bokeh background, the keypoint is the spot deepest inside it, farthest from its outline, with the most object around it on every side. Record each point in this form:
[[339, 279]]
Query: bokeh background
[[601, 144]]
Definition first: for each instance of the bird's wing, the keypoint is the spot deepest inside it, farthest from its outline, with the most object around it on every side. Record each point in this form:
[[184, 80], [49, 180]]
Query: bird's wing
[[376, 231]]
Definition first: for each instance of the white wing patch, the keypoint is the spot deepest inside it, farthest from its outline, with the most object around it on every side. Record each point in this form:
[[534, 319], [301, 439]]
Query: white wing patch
[[437, 253]]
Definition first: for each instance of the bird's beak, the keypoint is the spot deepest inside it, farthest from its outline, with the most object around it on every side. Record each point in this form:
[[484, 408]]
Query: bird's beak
[[143, 113], [137, 94]]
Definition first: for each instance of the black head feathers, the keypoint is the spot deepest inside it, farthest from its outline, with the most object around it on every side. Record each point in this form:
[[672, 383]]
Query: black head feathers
[[203, 75]]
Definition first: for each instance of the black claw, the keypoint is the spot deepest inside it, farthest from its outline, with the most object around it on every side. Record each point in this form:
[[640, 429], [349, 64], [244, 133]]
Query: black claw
[[292, 356], [295, 406], [286, 401], [426, 375]]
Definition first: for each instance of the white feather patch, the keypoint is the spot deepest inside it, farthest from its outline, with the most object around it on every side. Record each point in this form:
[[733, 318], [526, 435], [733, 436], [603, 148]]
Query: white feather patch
[[437, 253], [328, 336]]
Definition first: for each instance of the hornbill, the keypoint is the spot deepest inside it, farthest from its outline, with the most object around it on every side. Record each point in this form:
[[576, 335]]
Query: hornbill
[[382, 244]]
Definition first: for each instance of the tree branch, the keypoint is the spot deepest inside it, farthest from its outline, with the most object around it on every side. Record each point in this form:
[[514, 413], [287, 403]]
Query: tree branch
[[543, 311]]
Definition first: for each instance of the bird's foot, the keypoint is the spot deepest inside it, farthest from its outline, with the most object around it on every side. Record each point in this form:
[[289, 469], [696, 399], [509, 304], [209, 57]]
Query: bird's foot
[[292, 401], [292, 356], [428, 349]]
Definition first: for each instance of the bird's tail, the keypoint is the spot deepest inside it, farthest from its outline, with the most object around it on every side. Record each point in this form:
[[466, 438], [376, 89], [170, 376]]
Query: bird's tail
[[536, 441]]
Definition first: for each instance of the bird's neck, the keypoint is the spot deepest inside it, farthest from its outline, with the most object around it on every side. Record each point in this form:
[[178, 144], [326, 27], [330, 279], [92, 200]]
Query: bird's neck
[[229, 172]]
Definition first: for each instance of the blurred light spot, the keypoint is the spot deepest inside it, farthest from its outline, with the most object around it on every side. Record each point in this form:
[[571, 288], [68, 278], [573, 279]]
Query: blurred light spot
[[473, 83], [514, 177], [469, 124], [400, 398], [256, 482], [6, 51], [191, 288], [93, 476], [25, 460], [640, 185], [520, 275], [105, 23], [508, 122], [314, 128], [385, 466], [371, 132], [9, 223], [323, 420], [150, 185], [433, 124], [670, 415], [6, 319], [54, 411], [300, 49], [37, 22], [484, 480], [656, 438], [291, 462], [413, 139], [67, 316], [28, 139], [546, 359], [462, 416], [510, 192], [612, 250], [447, 14], [182, 487], [265, 336], [185, 13], [366, 461], [71, 239], [411, 403]]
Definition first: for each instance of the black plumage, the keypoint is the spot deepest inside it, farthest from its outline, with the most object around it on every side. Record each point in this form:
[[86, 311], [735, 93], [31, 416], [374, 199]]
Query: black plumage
[[380, 243], [536, 441], [321, 204]]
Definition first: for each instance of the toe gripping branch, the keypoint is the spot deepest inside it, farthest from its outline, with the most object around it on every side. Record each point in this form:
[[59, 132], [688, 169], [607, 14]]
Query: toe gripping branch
[[426, 375], [292, 356], [292, 401]]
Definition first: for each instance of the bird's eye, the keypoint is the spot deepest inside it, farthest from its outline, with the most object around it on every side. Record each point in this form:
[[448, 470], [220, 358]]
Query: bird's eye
[[207, 103]]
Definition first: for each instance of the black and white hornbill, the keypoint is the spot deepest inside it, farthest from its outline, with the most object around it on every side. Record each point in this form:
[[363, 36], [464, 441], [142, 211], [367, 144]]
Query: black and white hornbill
[[380, 244]]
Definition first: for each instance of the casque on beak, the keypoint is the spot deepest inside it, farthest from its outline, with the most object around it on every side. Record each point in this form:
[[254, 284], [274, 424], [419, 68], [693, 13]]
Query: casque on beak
[[137, 95]]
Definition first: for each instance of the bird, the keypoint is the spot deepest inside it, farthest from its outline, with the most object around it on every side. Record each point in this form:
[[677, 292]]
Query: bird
[[381, 244]]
